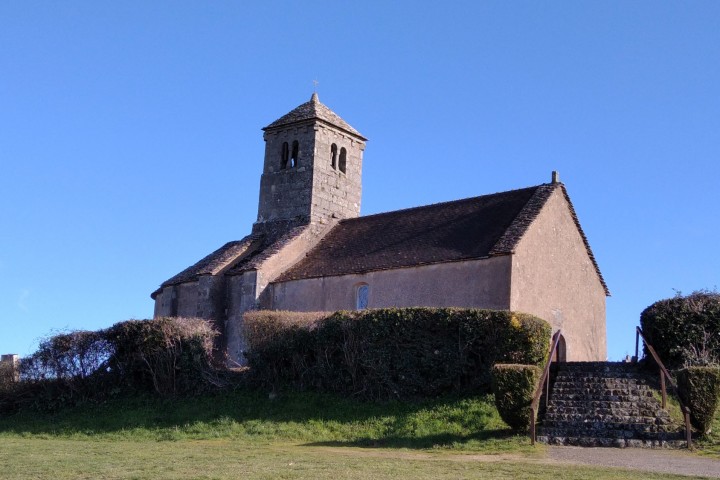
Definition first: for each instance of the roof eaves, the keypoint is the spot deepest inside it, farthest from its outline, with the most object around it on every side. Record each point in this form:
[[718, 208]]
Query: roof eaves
[[360, 271]]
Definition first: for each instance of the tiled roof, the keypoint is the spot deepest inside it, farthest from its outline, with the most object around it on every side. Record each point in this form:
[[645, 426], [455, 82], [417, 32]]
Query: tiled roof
[[217, 261], [236, 257], [314, 110], [471, 228], [443, 232], [466, 229], [270, 245]]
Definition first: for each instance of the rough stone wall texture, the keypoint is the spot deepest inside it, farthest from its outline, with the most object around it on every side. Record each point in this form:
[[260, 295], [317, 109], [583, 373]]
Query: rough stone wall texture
[[472, 284], [241, 297], [248, 290], [187, 299], [211, 300], [312, 190], [285, 194], [554, 278], [336, 194], [165, 302]]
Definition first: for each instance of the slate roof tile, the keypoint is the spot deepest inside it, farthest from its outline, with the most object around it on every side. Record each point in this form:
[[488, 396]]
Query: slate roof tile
[[443, 232], [216, 261], [313, 110], [470, 228]]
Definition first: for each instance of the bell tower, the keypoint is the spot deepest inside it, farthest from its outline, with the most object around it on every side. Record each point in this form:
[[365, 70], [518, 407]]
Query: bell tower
[[312, 171]]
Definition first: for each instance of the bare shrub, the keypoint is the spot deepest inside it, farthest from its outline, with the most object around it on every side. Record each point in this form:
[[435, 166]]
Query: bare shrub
[[71, 355], [172, 355]]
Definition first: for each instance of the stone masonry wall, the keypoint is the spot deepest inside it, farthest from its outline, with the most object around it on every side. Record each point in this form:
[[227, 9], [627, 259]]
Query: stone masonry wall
[[285, 194], [247, 291], [312, 190], [336, 194]]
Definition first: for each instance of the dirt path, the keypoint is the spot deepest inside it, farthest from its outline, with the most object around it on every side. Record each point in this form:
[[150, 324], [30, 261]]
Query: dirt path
[[662, 461]]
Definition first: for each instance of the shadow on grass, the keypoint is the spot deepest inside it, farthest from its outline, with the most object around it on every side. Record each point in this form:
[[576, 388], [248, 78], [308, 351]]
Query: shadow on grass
[[421, 443], [310, 417]]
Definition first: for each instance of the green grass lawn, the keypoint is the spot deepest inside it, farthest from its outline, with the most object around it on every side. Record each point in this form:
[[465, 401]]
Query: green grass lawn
[[710, 444], [247, 435], [60, 459], [464, 424]]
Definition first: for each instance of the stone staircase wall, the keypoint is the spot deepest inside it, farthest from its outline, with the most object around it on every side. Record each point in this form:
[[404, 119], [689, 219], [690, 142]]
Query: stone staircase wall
[[605, 404]]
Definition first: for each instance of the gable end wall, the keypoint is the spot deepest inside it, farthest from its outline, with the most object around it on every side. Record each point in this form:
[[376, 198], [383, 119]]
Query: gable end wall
[[554, 278]]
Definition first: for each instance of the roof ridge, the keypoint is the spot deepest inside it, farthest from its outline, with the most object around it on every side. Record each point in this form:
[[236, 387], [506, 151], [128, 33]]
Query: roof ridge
[[440, 204], [459, 230]]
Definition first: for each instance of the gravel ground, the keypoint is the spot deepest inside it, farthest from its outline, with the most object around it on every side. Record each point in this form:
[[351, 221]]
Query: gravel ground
[[663, 461]]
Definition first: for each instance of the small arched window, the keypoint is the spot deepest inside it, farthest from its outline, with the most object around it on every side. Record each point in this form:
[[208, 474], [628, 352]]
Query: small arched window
[[343, 159], [294, 156], [362, 293], [333, 156], [284, 155]]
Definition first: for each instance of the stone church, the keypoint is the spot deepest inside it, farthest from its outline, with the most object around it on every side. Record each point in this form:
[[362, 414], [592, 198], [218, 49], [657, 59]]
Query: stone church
[[309, 249]]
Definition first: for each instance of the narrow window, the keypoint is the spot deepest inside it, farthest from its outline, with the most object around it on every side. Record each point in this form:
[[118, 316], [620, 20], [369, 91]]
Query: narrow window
[[361, 296], [294, 156], [333, 154], [284, 156], [343, 159]]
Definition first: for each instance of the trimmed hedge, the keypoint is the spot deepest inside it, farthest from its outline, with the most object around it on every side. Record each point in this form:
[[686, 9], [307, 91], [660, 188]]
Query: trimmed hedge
[[685, 331], [700, 389], [391, 353], [514, 387]]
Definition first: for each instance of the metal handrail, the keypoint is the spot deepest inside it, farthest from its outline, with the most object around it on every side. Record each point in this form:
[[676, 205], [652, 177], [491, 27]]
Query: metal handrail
[[665, 374], [544, 382]]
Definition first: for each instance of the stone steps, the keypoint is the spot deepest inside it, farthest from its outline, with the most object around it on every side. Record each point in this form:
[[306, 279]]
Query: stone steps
[[563, 419], [606, 404], [584, 409], [610, 442]]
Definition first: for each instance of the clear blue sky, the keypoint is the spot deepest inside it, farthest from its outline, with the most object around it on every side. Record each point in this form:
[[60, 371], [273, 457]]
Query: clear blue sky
[[130, 142]]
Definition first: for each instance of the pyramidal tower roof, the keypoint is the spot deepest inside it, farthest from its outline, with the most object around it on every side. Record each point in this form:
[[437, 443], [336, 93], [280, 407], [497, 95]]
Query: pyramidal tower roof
[[314, 110]]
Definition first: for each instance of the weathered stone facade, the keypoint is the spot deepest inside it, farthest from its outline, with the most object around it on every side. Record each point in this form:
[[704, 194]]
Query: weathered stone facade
[[309, 250], [312, 172]]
